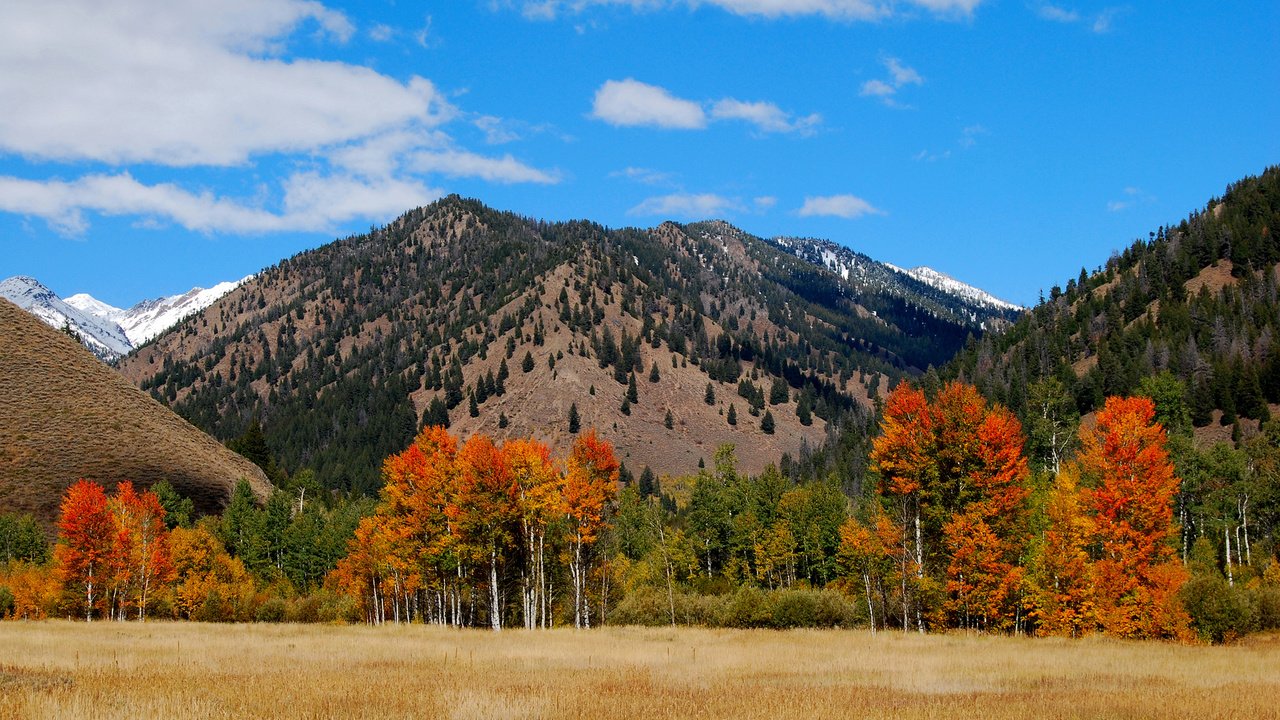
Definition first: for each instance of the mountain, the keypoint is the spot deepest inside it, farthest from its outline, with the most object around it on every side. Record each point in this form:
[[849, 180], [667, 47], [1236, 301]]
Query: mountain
[[109, 332], [975, 297], [945, 296], [1199, 299], [64, 415], [104, 337], [491, 321], [149, 318]]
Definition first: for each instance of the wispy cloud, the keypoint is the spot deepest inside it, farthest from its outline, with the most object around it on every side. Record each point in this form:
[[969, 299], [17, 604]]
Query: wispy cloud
[[645, 176], [687, 206], [886, 89], [1130, 197], [838, 10], [1099, 22], [631, 103], [843, 206]]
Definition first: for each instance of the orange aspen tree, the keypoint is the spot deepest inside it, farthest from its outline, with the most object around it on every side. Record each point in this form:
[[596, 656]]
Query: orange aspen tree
[[901, 455], [590, 483], [985, 538], [85, 537], [485, 511], [1137, 575], [144, 544], [420, 485], [537, 486]]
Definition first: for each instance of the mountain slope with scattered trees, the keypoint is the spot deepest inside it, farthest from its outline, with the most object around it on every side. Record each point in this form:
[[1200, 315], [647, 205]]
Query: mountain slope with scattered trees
[[671, 340]]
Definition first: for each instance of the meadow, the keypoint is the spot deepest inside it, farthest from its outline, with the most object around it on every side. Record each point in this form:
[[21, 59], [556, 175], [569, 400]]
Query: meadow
[[61, 669]]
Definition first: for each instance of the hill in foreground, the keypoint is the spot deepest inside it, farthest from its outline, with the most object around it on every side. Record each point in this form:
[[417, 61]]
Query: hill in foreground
[[64, 415]]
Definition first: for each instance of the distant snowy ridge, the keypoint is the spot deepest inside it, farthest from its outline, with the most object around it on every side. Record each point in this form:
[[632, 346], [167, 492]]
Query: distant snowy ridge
[[951, 286], [104, 337], [108, 331], [149, 318]]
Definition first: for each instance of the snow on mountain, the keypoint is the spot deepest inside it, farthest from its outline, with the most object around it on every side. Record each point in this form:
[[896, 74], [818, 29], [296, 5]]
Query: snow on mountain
[[109, 331], [104, 337], [149, 318], [951, 286]]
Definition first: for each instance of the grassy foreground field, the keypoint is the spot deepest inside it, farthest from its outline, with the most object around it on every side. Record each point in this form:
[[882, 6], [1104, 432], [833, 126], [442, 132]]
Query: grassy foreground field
[[58, 669]]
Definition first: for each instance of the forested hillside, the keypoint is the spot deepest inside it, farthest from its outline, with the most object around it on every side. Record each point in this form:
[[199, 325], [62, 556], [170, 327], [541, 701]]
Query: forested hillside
[[673, 340], [1198, 299]]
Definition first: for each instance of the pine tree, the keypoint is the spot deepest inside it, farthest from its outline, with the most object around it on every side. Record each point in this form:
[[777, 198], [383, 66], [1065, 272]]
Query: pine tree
[[710, 396], [575, 422], [766, 423], [625, 407], [526, 365], [669, 421], [474, 409], [732, 417], [653, 372], [633, 394]]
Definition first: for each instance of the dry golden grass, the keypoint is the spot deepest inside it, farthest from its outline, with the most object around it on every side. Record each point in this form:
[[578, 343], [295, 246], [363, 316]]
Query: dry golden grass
[[64, 415], [61, 669]]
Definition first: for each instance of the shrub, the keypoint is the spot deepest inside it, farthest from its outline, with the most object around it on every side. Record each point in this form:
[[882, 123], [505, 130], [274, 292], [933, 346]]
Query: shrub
[[273, 611], [6, 602]]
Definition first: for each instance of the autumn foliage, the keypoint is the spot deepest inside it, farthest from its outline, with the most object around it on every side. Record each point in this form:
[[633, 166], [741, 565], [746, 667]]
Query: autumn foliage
[[460, 528]]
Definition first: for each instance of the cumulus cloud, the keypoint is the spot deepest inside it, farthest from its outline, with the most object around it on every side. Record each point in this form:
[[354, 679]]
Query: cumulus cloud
[[687, 206], [631, 103], [312, 202], [899, 77], [843, 206], [189, 84], [841, 10]]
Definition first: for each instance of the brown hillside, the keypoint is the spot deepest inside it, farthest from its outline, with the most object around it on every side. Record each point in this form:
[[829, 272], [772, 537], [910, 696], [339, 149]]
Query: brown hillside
[[64, 416]]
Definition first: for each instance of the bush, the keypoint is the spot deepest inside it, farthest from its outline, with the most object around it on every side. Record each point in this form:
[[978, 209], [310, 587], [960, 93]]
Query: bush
[[812, 608], [6, 602], [1218, 611], [273, 611]]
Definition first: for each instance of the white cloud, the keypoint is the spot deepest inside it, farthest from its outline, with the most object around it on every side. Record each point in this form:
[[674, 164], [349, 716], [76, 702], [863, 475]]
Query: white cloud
[[461, 163], [877, 88], [969, 135], [1132, 196], [899, 76], [311, 202], [841, 10], [186, 83], [496, 130], [766, 116], [631, 103], [687, 206], [844, 206], [1058, 14], [1099, 23], [645, 176], [765, 203], [381, 32]]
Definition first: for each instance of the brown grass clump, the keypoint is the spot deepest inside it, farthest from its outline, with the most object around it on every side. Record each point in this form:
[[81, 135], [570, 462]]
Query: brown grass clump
[[64, 416], [165, 670]]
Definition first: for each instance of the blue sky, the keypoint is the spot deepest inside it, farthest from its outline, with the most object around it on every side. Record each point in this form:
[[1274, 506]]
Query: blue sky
[[148, 147]]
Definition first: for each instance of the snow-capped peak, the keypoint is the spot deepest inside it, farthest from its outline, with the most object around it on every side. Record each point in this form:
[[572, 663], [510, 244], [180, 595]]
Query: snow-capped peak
[[149, 318], [102, 336], [952, 286]]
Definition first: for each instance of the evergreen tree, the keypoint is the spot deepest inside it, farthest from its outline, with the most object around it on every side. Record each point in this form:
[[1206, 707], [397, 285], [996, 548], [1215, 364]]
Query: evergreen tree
[[732, 417], [710, 396], [669, 421], [526, 365], [473, 409], [575, 422], [653, 372], [633, 394], [766, 423]]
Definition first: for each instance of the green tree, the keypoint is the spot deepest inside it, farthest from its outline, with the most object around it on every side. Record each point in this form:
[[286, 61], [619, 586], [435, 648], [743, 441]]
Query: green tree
[[21, 540], [575, 422], [710, 396], [766, 423], [732, 417], [178, 510]]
